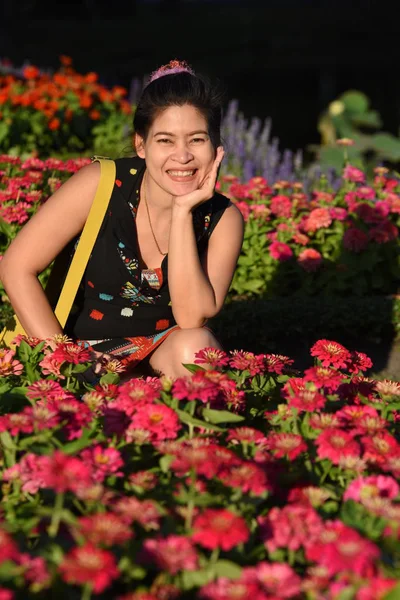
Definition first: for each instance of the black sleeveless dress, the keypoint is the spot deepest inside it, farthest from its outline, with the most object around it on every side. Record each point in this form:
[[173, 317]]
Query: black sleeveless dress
[[123, 309]]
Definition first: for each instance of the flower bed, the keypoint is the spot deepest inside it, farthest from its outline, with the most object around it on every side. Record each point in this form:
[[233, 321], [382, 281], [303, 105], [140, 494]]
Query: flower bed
[[334, 243], [62, 113], [249, 480]]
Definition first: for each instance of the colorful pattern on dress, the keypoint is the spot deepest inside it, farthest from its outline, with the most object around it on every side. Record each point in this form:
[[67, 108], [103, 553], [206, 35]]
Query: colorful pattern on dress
[[132, 293], [131, 264]]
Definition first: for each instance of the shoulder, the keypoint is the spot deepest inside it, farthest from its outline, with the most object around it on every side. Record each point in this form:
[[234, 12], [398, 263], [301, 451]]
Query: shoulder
[[129, 166]]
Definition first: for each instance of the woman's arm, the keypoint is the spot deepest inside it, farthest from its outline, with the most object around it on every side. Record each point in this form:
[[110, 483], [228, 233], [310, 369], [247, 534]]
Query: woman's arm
[[58, 221], [198, 290]]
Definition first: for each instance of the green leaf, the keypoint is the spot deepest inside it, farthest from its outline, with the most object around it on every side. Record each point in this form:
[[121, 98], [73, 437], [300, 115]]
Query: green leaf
[[193, 368], [188, 419], [191, 579], [78, 444], [165, 462], [221, 416], [228, 569], [110, 378], [394, 593]]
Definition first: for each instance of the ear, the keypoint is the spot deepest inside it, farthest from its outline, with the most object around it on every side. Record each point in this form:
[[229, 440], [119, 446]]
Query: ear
[[139, 146]]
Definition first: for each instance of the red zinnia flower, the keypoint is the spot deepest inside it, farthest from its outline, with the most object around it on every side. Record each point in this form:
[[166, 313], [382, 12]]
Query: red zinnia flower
[[353, 174], [324, 377], [280, 251], [307, 400], [281, 206], [219, 529], [172, 554], [318, 218], [379, 447], [196, 387], [161, 421], [247, 361], [289, 445], [310, 260], [145, 512], [88, 564], [71, 353], [104, 528], [331, 354], [102, 461], [354, 239], [212, 357], [335, 443]]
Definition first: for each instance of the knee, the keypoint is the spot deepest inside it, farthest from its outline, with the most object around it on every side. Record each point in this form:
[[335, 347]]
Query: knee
[[190, 341]]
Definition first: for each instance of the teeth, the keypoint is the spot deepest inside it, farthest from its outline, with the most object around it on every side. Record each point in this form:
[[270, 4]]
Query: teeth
[[181, 173]]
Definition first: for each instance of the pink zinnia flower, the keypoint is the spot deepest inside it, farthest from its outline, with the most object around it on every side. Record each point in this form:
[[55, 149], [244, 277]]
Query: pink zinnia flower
[[246, 476], [294, 526], [8, 548], [364, 488], [277, 579], [228, 589], [335, 443], [353, 174], [29, 471], [376, 588], [378, 447], [383, 233], [277, 363], [310, 260], [45, 389], [161, 421], [307, 400], [88, 564], [331, 354], [280, 251], [247, 361], [219, 528], [145, 512], [281, 206], [74, 414], [359, 362], [8, 364], [355, 240], [318, 218], [340, 548], [338, 213], [172, 554], [62, 472], [134, 394], [212, 357], [103, 462]]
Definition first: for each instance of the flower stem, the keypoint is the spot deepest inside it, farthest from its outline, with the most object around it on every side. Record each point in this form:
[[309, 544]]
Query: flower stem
[[56, 517], [190, 502], [86, 592]]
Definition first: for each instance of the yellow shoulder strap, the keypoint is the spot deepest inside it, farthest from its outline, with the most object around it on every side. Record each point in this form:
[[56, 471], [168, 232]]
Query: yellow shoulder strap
[[87, 240]]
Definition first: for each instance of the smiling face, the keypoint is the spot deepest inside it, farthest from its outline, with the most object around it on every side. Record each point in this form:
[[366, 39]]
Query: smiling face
[[178, 152]]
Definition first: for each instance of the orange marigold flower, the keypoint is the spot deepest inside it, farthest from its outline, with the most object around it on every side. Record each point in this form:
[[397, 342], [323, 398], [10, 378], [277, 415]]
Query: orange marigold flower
[[65, 60], [91, 77], [30, 72], [85, 101], [54, 124], [94, 115]]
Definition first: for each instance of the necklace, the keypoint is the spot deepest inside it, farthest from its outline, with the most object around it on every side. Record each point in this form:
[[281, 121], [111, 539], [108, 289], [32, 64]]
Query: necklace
[[148, 214]]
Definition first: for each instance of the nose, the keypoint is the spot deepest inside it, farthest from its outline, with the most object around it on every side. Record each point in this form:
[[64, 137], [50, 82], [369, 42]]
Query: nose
[[182, 154]]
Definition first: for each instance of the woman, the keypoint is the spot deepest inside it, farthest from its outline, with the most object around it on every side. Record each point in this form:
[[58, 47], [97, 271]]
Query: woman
[[168, 246]]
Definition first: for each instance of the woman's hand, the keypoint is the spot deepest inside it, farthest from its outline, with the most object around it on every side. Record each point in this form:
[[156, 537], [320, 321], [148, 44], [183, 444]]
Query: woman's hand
[[206, 189]]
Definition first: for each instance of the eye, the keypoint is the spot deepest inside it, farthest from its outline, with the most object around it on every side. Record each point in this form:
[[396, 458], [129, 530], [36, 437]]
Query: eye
[[164, 140], [198, 140]]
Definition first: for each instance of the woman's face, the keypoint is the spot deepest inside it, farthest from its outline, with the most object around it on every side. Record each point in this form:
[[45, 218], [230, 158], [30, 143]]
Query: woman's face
[[177, 150]]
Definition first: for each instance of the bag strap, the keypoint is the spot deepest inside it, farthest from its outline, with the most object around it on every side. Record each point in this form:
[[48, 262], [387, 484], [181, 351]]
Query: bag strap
[[87, 239]]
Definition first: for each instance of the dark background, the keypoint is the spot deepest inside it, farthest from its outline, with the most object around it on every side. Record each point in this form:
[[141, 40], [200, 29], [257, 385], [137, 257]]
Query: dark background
[[281, 58]]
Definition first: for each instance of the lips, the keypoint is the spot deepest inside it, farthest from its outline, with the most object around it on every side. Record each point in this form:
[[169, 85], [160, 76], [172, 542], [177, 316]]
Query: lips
[[182, 175]]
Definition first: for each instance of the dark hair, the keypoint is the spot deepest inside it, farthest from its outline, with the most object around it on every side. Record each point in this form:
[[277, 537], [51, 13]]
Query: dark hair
[[178, 89]]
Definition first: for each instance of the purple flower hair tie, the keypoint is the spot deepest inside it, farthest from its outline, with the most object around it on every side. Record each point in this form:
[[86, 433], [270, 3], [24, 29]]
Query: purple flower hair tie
[[174, 66]]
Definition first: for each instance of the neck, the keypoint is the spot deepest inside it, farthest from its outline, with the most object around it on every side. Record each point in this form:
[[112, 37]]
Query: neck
[[156, 197]]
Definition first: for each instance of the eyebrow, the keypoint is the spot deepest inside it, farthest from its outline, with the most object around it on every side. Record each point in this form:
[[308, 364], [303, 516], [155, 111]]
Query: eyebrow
[[173, 135]]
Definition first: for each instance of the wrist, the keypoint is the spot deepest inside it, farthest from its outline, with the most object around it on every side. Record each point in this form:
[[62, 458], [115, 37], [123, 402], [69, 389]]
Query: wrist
[[181, 209]]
